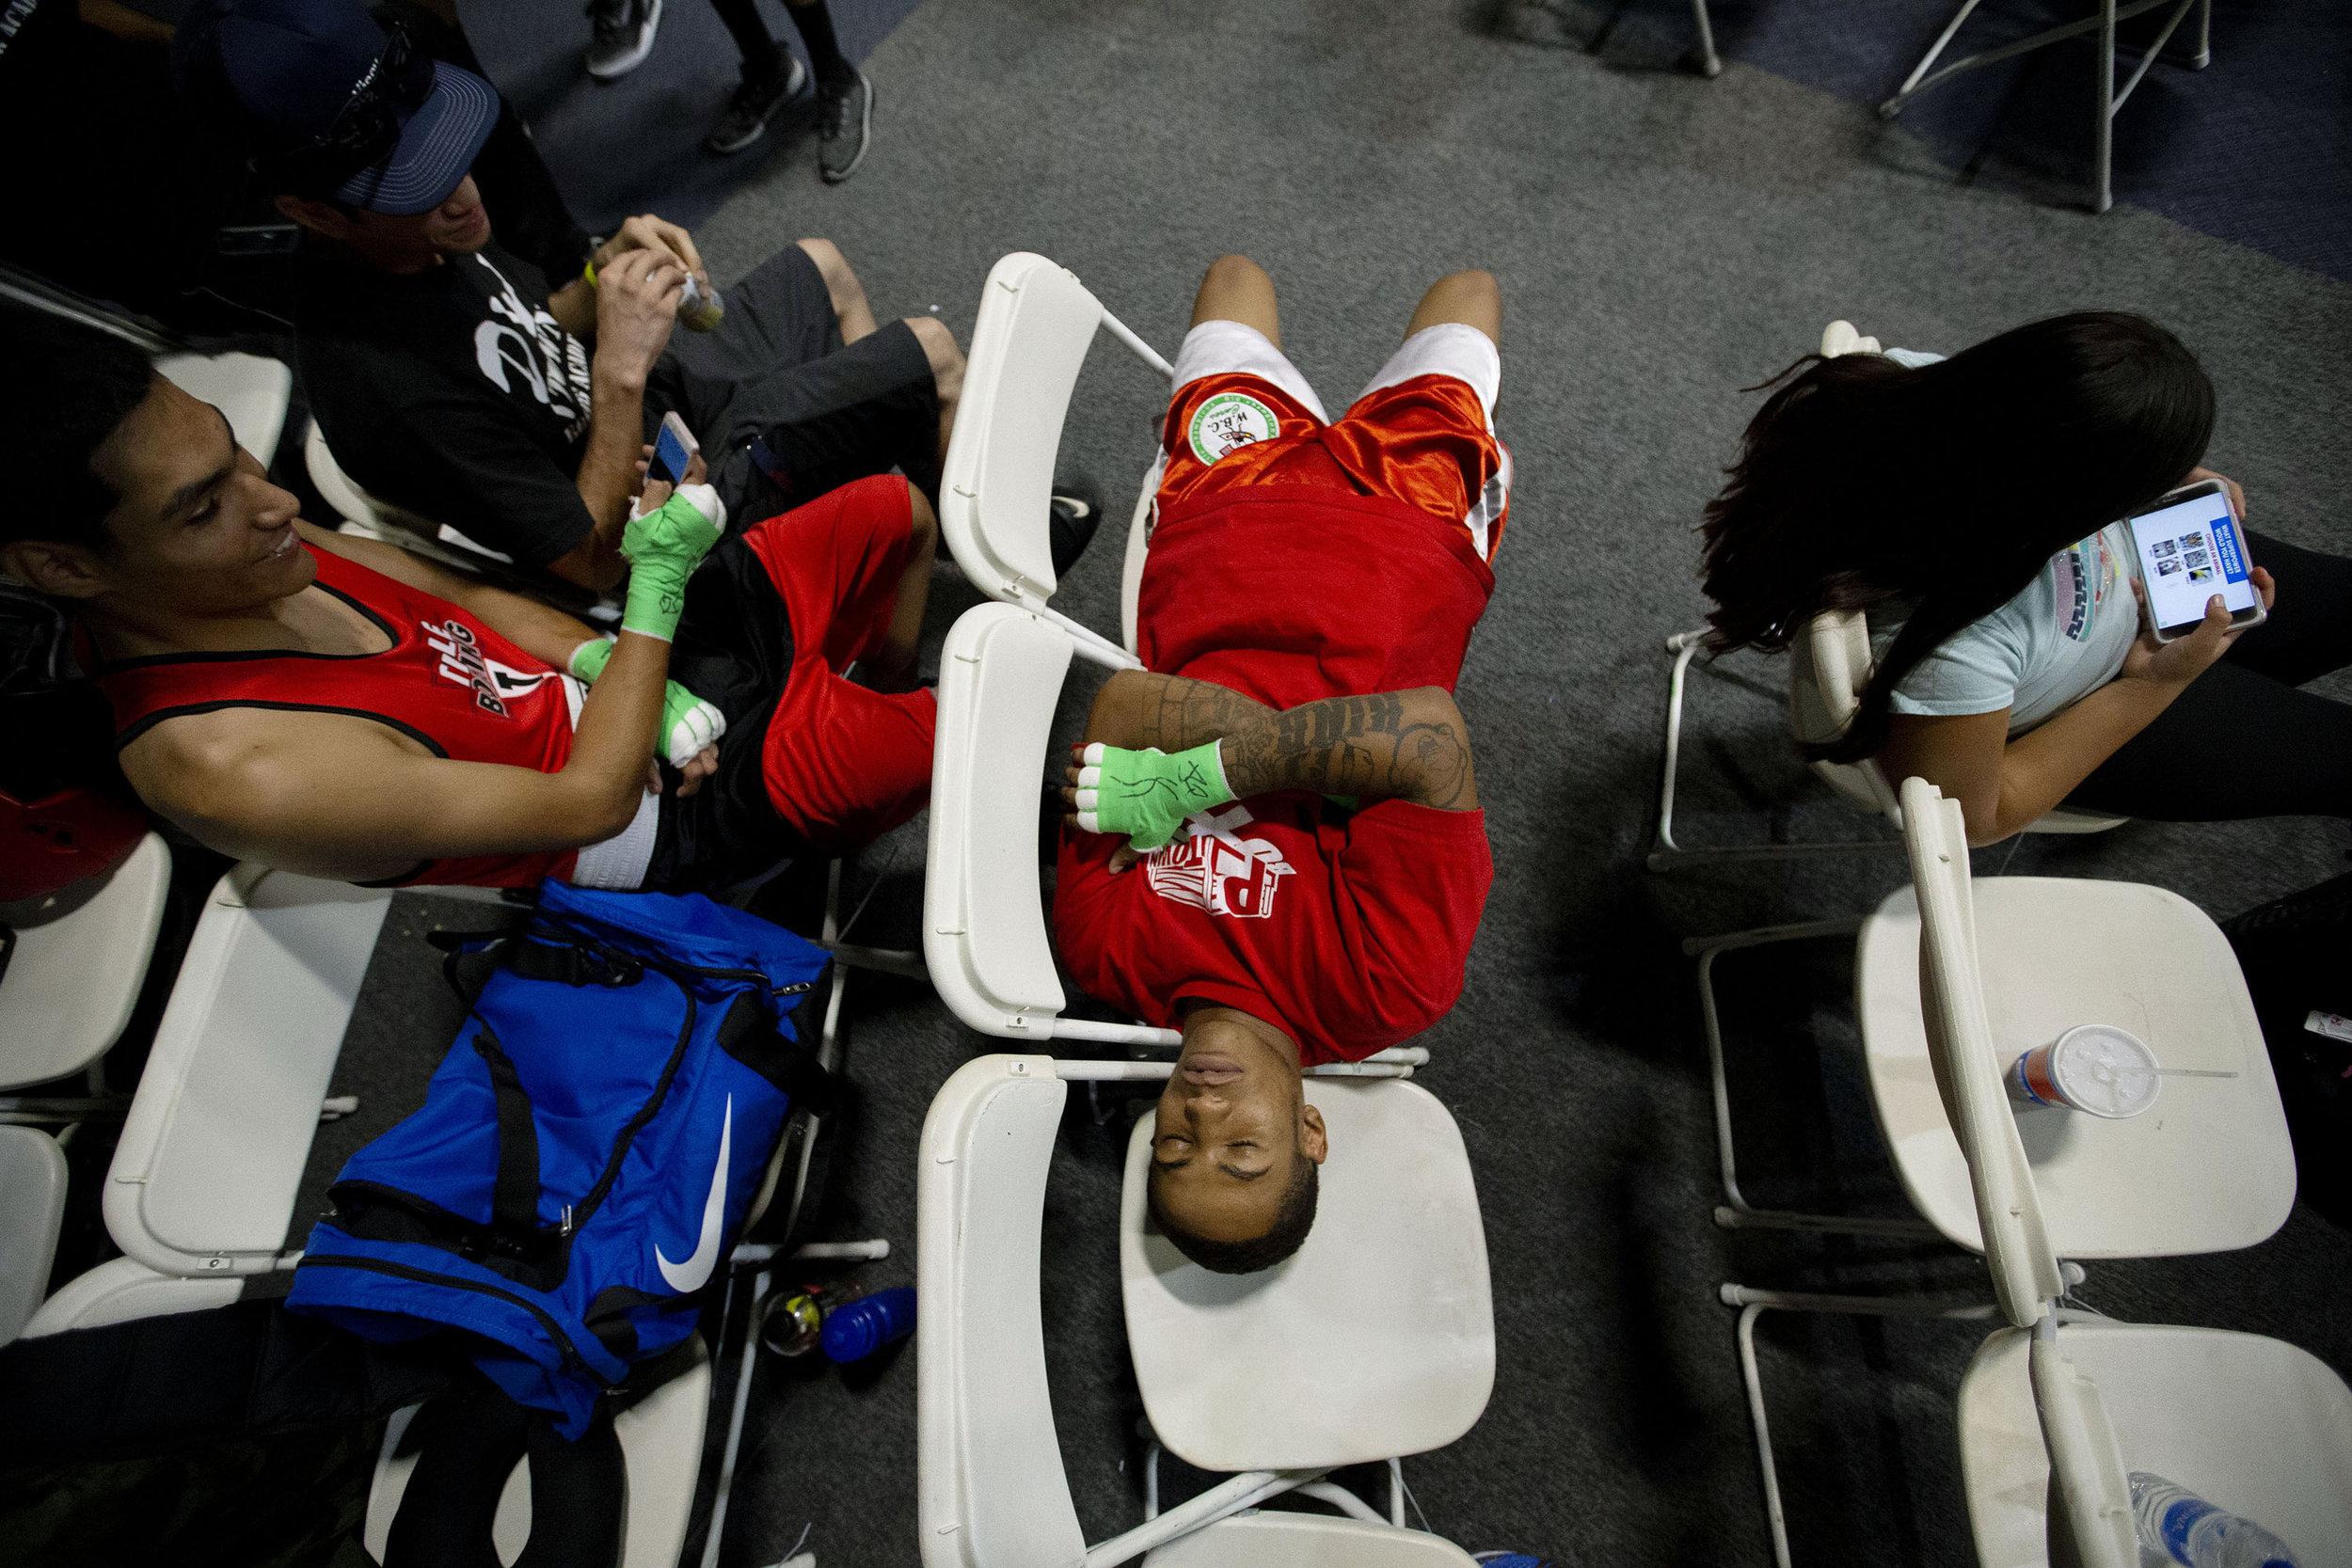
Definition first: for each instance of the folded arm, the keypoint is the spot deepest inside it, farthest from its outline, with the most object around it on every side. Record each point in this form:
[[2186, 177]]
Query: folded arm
[[343, 796], [1409, 745]]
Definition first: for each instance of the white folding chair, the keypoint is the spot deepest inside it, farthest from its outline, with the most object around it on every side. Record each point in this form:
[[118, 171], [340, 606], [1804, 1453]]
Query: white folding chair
[[202, 1185], [374, 517], [32, 1205], [71, 981], [1376, 1340], [984, 938], [250, 392], [2255, 1425], [2212, 1172], [2105, 99], [1829, 668], [1035, 324]]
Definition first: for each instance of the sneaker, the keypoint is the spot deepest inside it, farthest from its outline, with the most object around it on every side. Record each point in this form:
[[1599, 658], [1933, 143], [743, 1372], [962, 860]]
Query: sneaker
[[844, 127], [757, 97], [1071, 530], [624, 35]]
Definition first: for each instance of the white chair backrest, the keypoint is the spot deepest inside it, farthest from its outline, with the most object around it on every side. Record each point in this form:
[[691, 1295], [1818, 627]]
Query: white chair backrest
[[204, 1181], [71, 982], [32, 1202], [250, 392], [1035, 324], [1829, 668], [992, 1492], [984, 939], [2093, 1491], [1960, 1043], [2094, 1494]]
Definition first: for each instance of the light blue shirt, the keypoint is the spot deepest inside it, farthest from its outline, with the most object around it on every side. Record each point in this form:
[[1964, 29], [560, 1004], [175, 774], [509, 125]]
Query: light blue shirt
[[2064, 636]]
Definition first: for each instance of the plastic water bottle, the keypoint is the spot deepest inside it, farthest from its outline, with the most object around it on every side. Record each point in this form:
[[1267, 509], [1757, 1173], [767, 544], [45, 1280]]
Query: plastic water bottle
[[2182, 1527], [859, 1328]]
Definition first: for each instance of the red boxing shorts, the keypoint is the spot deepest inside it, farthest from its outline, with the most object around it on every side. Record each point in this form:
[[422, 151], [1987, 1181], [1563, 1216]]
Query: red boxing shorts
[[844, 764], [1421, 433]]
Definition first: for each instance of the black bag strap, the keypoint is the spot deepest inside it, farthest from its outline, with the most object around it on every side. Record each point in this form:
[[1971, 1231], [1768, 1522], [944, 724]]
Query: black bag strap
[[515, 1194]]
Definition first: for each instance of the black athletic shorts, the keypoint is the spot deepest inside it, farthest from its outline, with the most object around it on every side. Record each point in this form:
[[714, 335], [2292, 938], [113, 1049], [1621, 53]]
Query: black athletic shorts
[[783, 410]]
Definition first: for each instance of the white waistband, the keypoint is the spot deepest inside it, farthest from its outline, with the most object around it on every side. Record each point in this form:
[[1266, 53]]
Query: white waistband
[[619, 863]]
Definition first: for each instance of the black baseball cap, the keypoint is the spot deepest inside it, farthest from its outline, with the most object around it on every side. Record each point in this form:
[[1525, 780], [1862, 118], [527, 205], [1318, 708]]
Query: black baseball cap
[[333, 103]]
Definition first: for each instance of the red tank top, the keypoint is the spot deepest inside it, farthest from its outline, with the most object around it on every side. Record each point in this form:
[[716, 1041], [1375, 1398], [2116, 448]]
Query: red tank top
[[447, 681]]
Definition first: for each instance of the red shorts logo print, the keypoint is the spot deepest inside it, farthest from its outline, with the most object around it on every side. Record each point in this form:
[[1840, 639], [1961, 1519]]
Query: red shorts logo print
[[1215, 870], [462, 662]]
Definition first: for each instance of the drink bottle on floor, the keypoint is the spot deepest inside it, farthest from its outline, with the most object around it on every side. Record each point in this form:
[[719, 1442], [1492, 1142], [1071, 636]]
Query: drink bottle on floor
[[2182, 1527]]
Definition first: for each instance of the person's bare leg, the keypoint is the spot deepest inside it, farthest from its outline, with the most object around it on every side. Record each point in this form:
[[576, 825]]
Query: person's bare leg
[[893, 669], [1236, 289], [849, 295], [1472, 298], [939, 347]]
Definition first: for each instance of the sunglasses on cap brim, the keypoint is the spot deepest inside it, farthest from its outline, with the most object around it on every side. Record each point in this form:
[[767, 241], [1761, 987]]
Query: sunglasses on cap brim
[[366, 130]]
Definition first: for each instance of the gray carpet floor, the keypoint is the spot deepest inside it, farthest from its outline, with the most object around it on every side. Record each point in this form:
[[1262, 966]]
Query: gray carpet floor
[[1662, 242]]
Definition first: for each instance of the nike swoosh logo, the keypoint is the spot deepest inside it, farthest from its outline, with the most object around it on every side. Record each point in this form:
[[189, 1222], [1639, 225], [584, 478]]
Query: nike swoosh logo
[[694, 1272]]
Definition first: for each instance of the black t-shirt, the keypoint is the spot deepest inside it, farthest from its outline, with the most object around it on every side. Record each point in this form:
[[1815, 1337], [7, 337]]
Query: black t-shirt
[[452, 392]]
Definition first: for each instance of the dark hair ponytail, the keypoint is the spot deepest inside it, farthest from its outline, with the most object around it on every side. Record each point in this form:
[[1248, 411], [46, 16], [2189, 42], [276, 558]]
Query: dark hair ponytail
[[1943, 489]]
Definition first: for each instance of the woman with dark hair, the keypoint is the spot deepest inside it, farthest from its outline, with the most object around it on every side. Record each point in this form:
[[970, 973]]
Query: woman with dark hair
[[1969, 508]]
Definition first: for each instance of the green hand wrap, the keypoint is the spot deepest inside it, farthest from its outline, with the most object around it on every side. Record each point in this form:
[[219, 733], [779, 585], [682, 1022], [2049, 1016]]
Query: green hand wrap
[[663, 551], [688, 722], [1147, 793]]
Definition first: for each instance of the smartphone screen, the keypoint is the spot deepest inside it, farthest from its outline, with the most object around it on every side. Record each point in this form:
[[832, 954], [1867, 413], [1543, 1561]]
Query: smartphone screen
[[2188, 552], [671, 454]]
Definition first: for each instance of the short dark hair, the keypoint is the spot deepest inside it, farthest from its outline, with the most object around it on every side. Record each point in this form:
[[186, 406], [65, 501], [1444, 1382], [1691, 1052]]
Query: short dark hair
[[67, 390], [1292, 1221]]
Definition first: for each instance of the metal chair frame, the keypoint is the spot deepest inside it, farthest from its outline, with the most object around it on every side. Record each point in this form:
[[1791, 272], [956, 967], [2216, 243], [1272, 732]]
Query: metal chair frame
[[2106, 100]]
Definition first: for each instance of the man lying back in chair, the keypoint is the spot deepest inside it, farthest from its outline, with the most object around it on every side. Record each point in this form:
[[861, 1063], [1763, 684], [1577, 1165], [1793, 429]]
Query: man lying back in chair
[[337, 706], [1291, 768]]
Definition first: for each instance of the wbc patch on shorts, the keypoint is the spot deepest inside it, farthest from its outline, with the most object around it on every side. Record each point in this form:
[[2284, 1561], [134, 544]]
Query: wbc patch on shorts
[[1229, 421]]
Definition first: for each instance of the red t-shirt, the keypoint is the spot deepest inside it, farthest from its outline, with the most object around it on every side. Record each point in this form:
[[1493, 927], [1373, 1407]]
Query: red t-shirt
[[1347, 930]]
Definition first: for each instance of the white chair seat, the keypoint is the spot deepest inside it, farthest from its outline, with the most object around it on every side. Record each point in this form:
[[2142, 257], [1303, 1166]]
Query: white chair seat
[[121, 1289], [32, 1202], [71, 982], [2208, 1168], [1376, 1340], [1305, 1541], [2251, 1425], [204, 1181], [249, 391], [661, 1439]]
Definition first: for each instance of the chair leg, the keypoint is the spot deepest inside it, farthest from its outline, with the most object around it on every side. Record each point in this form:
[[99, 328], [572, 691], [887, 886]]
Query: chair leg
[[748, 1355], [1754, 1305], [1709, 64], [1684, 646], [2203, 54], [1665, 854], [1738, 1213], [2103, 195]]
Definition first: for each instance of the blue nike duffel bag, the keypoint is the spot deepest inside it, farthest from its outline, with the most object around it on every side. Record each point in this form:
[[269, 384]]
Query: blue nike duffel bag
[[588, 1149]]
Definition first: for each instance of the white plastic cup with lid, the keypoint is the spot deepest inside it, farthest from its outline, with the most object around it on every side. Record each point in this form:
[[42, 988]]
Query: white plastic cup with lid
[[2094, 1068]]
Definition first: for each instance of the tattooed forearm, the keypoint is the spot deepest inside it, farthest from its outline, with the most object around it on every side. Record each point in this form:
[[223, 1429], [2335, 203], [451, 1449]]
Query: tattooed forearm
[[1137, 709], [1390, 745]]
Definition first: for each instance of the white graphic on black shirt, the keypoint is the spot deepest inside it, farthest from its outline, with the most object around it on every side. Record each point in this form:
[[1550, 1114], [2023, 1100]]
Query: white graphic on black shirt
[[462, 661], [532, 340], [1215, 870]]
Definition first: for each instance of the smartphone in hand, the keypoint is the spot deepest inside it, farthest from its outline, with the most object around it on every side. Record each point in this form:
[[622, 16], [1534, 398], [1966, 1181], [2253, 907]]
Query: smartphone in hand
[[2187, 547], [673, 448]]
